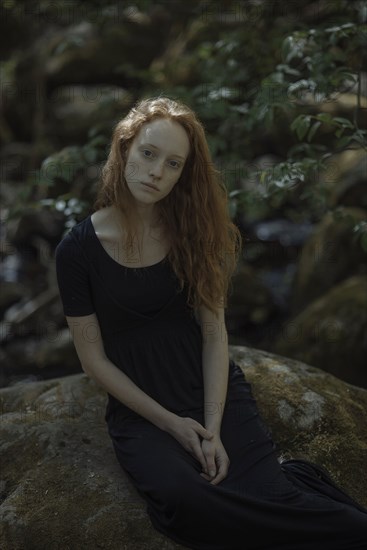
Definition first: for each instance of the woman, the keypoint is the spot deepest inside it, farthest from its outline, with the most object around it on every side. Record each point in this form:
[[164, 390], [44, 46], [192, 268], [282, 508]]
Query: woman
[[143, 281]]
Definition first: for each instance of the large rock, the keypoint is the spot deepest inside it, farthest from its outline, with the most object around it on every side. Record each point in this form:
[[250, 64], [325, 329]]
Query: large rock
[[61, 484], [331, 254], [331, 332], [345, 178]]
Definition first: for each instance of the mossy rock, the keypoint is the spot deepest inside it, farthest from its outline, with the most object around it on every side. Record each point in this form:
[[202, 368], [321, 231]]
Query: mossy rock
[[331, 332], [61, 484]]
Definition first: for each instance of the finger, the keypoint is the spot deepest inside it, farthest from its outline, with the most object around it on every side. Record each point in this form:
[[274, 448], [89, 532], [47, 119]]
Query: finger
[[222, 473], [210, 471], [216, 480], [209, 454], [199, 455], [206, 476], [206, 434], [211, 467], [212, 481]]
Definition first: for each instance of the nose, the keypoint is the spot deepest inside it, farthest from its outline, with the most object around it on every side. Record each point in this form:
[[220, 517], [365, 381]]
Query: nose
[[156, 169]]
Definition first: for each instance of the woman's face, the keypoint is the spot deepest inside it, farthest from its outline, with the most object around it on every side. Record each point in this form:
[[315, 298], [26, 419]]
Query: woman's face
[[156, 157]]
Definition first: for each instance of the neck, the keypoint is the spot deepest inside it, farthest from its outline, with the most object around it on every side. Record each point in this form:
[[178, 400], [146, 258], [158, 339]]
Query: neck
[[147, 218]]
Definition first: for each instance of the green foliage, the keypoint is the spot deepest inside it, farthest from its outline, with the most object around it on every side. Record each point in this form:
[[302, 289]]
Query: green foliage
[[265, 80], [303, 125], [317, 66], [71, 165], [66, 163]]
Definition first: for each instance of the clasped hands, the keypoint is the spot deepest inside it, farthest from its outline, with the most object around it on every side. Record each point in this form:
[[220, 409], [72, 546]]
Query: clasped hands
[[210, 452]]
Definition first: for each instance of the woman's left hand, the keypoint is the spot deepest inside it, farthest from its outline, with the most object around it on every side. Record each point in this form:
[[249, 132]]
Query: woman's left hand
[[216, 458]]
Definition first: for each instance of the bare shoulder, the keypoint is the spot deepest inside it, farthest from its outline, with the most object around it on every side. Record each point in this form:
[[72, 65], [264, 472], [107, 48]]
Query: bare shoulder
[[105, 224]]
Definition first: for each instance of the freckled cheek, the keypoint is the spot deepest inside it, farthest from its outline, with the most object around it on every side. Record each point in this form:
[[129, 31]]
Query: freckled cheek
[[129, 174], [134, 170], [173, 181]]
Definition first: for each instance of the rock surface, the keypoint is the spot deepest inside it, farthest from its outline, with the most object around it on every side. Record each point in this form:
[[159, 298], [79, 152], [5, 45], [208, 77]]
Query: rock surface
[[330, 333], [61, 485], [330, 255]]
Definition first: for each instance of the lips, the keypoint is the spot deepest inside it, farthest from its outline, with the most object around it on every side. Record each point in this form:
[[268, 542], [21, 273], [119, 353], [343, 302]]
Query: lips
[[150, 185]]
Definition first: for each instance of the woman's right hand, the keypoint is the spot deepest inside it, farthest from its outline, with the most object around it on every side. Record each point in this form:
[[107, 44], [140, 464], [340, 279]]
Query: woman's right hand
[[187, 432]]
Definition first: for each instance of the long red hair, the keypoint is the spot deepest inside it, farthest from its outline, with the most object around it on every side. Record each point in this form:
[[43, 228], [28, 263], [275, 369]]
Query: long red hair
[[205, 244]]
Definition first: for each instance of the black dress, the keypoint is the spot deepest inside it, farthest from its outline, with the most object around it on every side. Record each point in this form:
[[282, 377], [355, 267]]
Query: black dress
[[151, 334]]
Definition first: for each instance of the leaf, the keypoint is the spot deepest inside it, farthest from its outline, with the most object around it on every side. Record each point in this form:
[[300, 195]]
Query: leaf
[[303, 84], [235, 192], [263, 177], [313, 130], [325, 117], [303, 126], [359, 137], [287, 47], [344, 122], [344, 141]]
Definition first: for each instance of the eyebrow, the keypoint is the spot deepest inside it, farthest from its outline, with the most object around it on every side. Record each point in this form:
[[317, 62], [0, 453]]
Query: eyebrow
[[155, 147]]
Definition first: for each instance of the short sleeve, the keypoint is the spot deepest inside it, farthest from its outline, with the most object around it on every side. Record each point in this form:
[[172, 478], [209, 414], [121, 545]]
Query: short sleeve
[[73, 278]]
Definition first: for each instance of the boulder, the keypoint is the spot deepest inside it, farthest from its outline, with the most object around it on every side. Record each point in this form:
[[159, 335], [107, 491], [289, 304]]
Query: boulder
[[61, 484], [330, 255], [345, 178], [331, 332]]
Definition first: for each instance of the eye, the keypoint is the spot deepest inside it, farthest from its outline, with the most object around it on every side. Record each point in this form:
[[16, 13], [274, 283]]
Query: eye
[[147, 153], [174, 164]]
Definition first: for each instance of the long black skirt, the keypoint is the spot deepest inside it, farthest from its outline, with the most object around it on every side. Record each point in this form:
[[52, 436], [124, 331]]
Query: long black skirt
[[262, 504]]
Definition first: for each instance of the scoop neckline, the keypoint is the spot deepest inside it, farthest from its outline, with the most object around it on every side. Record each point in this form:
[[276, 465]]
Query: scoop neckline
[[112, 259]]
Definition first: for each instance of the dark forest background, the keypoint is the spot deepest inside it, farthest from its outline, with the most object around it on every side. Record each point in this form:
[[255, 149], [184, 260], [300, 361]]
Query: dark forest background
[[282, 91]]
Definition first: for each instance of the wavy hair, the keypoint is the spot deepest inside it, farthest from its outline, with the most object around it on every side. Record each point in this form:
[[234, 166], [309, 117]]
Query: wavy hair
[[205, 244]]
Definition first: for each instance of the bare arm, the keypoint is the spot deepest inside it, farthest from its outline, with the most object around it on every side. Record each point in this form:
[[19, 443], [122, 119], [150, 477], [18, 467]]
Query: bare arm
[[215, 361], [88, 343], [89, 346]]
